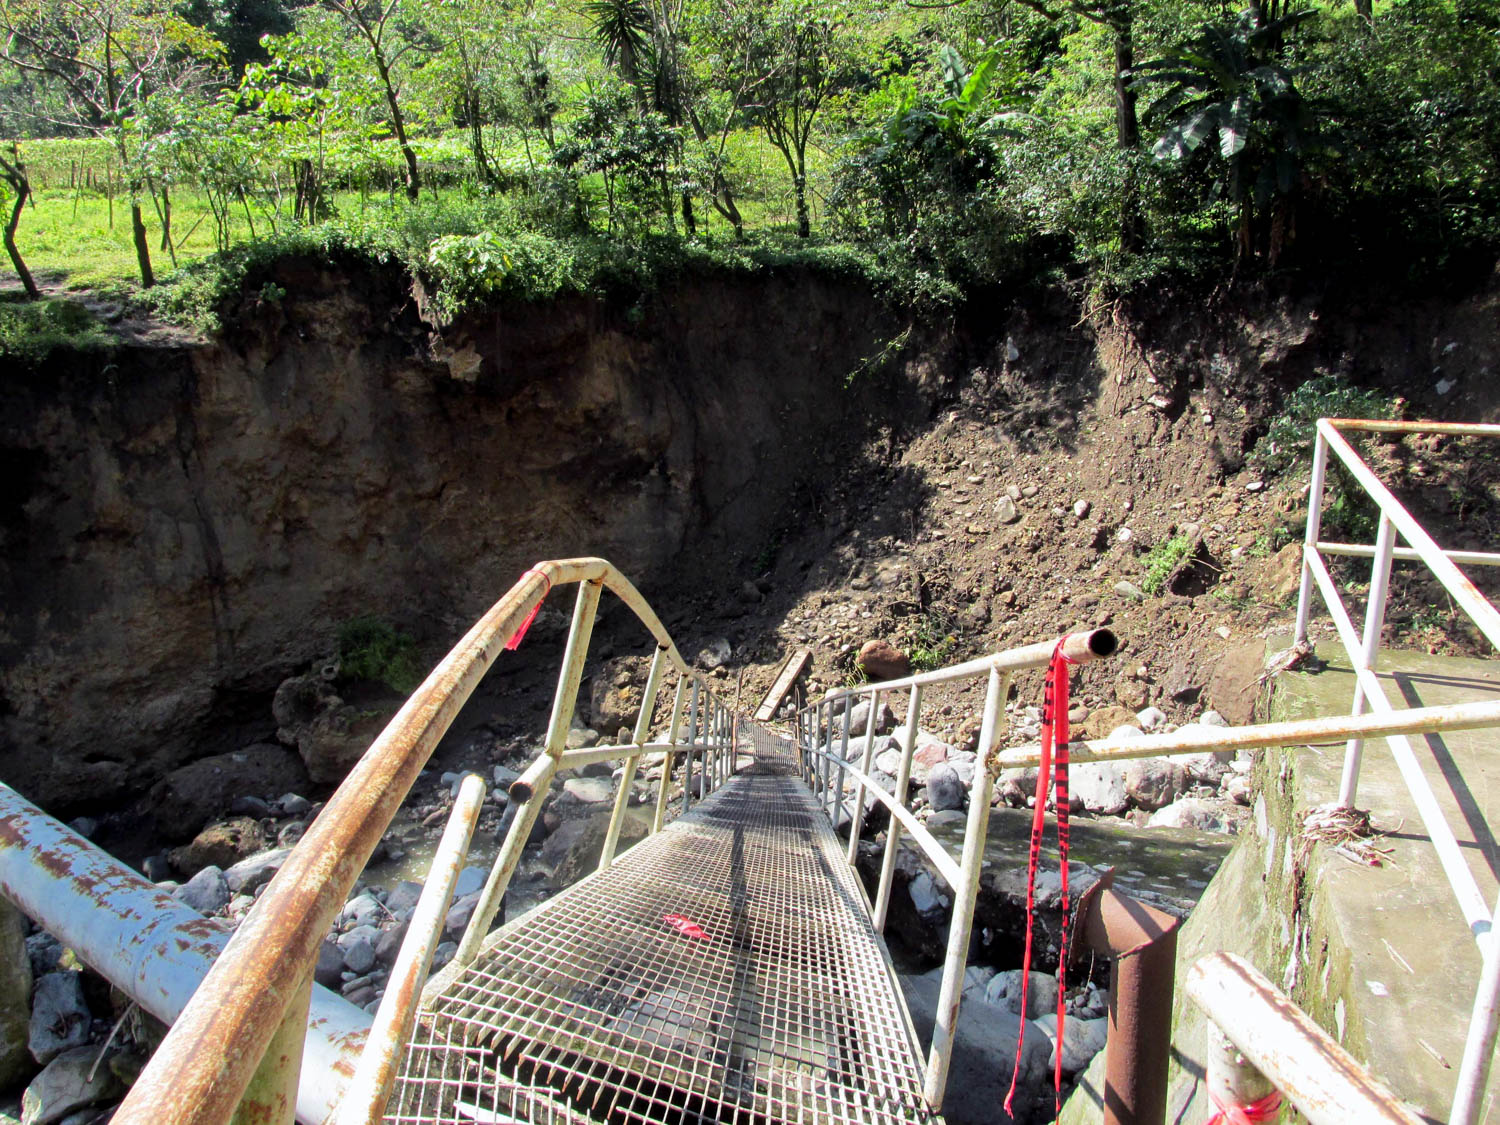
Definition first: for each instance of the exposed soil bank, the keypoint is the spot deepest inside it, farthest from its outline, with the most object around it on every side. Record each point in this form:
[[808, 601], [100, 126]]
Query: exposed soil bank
[[184, 526]]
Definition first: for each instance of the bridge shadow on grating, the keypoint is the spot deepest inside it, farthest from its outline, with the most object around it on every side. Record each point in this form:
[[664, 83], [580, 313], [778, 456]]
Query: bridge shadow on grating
[[769, 1000]]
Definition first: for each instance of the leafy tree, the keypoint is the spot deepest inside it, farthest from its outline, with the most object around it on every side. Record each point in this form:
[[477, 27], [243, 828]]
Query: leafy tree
[[386, 36], [110, 57], [13, 171], [789, 57], [1229, 83], [630, 150]]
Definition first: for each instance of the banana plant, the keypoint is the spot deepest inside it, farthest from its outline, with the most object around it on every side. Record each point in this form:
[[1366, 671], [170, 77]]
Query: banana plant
[[1229, 83]]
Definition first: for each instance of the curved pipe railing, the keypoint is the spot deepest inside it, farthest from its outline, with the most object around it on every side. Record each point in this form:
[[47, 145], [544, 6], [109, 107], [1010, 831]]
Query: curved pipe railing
[[201, 1072]]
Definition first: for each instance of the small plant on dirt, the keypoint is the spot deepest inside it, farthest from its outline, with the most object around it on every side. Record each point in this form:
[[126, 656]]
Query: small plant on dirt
[[1288, 441], [1267, 543], [371, 649], [929, 642], [1162, 560], [30, 331]]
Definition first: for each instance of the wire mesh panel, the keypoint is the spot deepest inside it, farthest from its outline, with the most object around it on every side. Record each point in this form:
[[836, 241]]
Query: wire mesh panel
[[724, 970]]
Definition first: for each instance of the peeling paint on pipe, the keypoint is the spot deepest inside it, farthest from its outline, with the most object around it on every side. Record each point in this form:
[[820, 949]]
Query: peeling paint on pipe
[[146, 943]]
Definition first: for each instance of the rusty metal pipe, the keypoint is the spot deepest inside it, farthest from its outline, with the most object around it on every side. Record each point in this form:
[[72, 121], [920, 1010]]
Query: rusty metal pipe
[[1300, 1059], [1141, 943], [146, 943], [207, 1059], [1080, 648]]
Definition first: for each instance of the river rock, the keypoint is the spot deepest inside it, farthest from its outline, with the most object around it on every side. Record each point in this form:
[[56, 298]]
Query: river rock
[[616, 693], [1006, 511], [880, 660], [404, 895], [589, 790], [1191, 812], [358, 948], [330, 965], [1235, 687], [59, 1016], [859, 721], [361, 910], [1082, 1040], [945, 790], [926, 898], [1041, 993], [221, 845], [70, 1082], [15, 996], [206, 892], [249, 875], [1154, 783], [1099, 786], [984, 1048], [457, 918], [469, 880], [573, 850], [189, 797]]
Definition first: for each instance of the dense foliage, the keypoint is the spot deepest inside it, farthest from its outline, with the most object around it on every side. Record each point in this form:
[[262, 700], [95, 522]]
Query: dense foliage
[[531, 147]]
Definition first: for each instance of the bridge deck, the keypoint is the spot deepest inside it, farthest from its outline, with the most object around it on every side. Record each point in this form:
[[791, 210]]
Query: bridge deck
[[770, 999]]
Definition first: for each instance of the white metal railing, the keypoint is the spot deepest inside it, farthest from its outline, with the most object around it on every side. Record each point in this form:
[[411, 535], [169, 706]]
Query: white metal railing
[[824, 768], [1363, 649], [1259, 1041]]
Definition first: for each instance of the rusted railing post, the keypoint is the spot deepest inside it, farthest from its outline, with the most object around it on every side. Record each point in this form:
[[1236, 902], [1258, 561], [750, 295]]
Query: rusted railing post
[[1310, 542], [893, 829], [527, 790], [1380, 578], [664, 790], [976, 835], [370, 1089], [271, 1096], [627, 779], [1141, 944]]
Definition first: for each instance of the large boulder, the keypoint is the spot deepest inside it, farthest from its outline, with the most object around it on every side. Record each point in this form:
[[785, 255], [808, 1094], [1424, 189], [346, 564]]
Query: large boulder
[[1237, 680], [220, 845], [329, 734], [189, 797], [616, 693], [880, 660], [574, 847]]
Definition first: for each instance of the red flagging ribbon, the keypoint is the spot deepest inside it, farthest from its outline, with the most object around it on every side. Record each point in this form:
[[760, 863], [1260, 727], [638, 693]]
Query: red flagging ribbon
[[1267, 1108], [1055, 736], [515, 641], [684, 925]]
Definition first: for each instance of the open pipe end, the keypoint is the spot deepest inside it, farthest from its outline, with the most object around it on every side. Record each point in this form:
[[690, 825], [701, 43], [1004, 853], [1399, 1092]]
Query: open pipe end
[[1080, 648], [521, 791]]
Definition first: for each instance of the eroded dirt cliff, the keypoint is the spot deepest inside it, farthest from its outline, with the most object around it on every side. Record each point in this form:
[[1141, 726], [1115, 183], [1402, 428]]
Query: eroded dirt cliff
[[184, 526]]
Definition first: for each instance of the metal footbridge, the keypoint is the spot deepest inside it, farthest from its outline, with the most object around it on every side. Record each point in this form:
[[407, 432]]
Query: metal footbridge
[[725, 969], [729, 968]]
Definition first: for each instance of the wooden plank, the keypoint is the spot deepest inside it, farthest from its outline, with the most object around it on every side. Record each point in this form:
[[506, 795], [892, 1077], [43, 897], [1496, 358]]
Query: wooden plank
[[791, 668]]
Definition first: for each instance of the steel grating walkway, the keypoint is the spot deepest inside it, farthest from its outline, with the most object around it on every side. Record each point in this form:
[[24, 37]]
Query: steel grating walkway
[[604, 1005]]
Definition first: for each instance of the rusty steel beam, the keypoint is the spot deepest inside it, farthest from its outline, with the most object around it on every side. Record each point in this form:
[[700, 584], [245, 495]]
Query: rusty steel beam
[[203, 1066], [1297, 1056], [153, 948], [1141, 945]]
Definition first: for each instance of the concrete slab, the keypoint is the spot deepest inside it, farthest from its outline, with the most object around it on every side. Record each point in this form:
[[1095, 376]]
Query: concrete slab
[[1412, 961]]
